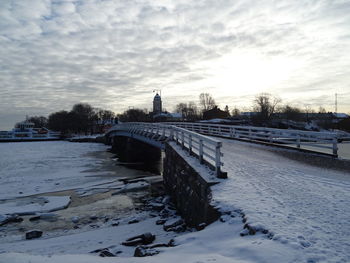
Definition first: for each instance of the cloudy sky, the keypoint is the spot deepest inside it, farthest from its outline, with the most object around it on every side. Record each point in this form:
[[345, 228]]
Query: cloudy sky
[[113, 53]]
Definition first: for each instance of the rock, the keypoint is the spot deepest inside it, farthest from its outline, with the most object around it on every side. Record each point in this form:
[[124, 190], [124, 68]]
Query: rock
[[75, 219], [15, 219], [148, 238], [172, 223], [93, 217], [166, 213], [133, 221], [144, 252], [106, 253], [34, 234], [140, 252], [244, 232], [252, 231], [166, 200], [156, 206], [201, 226], [171, 243], [144, 239], [34, 218], [152, 214], [178, 229], [99, 250], [160, 222], [4, 219]]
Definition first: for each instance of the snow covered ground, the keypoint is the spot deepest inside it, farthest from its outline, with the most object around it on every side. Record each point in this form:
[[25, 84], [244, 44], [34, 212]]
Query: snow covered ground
[[303, 206], [301, 213]]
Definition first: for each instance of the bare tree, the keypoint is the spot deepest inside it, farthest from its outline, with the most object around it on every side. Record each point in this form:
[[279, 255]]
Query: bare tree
[[206, 101], [265, 104], [188, 110], [39, 121], [291, 113], [235, 112]]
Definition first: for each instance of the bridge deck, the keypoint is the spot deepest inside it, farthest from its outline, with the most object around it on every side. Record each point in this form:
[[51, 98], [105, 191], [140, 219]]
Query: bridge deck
[[303, 205]]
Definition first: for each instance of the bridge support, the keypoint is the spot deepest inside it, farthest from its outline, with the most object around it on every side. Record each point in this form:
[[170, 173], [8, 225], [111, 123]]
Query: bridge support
[[189, 190], [131, 150]]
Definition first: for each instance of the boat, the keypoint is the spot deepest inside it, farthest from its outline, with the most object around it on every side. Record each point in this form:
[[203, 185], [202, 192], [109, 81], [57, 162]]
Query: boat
[[25, 131]]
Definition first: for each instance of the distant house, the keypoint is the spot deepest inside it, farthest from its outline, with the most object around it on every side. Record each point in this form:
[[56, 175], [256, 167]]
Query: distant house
[[248, 114], [215, 113]]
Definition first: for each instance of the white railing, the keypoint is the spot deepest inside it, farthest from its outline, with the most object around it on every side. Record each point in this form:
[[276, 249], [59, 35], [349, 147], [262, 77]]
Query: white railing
[[207, 150], [322, 140]]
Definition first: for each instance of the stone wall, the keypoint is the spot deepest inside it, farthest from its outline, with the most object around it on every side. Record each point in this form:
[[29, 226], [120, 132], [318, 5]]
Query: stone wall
[[189, 191]]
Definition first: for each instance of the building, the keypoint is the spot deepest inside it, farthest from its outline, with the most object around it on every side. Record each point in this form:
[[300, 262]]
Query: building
[[158, 115], [157, 104], [215, 113]]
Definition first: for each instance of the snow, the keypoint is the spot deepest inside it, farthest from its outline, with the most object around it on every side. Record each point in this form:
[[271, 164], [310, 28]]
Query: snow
[[303, 209], [203, 170], [219, 242], [46, 167], [35, 205], [303, 206]]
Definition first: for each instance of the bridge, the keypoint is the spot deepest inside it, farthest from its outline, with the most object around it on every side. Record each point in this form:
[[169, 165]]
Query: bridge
[[295, 198], [303, 199], [192, 138], [205, 149]]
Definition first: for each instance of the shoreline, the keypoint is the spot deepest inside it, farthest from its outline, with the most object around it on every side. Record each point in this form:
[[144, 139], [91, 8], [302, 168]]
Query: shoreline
[[122, 202]]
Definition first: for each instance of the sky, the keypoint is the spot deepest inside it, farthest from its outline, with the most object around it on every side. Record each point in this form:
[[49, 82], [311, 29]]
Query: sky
[[112, 54]]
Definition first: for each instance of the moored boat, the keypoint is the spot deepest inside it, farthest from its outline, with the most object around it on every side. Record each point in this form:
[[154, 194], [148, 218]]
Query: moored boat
[[25, 131]]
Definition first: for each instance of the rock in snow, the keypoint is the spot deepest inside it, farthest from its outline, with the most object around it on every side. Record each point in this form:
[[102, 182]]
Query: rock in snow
[[172, 224], [34, 234], [75, 219], [144, 239]]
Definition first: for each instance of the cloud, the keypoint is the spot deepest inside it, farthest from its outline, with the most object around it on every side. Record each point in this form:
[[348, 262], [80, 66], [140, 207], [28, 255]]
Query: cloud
[[112, 54]]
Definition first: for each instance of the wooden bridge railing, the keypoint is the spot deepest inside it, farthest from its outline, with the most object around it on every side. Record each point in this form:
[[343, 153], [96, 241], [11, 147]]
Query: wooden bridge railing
[[325, 140], [207, 150]]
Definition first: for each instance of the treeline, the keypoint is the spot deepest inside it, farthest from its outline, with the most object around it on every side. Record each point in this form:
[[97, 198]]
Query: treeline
[[83, 118], [266, 110]]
